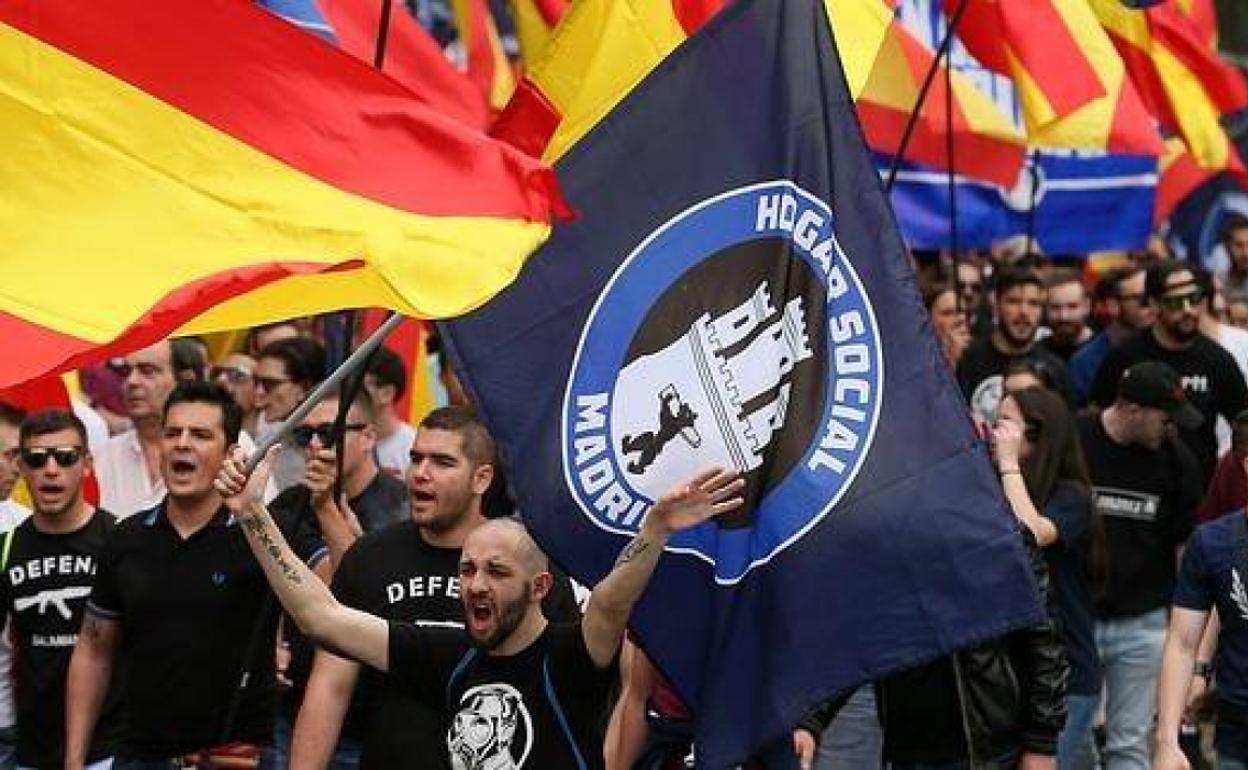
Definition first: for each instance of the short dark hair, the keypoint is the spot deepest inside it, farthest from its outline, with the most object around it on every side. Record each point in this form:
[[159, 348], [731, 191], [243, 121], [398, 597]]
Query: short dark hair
[[186, 354], [1233, 222], [387, 368], [11, 414], [303, 359], [1110, 284], [478, 443], [932, 292], [1160, 272], [47, 421], [1013, 276], [360, 399], [214, 395], [1065, 276]]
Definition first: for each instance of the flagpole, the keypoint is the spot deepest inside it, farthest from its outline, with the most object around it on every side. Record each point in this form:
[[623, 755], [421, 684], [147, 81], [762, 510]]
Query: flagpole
[[950, 161], [329, 385], [383, 35], [928, 79]]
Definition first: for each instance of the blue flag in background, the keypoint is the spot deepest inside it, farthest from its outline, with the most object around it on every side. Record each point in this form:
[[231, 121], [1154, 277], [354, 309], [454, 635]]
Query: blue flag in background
[[1082, 202], [735, 292]]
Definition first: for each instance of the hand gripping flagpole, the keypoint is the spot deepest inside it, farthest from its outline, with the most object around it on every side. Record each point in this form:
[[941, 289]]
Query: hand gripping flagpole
[[328, 386]]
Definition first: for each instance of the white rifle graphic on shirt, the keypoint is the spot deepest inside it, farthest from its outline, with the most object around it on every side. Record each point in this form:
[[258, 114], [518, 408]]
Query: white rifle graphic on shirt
[[58, 598]]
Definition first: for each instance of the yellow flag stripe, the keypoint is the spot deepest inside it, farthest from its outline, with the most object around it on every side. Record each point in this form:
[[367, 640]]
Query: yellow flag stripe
[[163, 199]]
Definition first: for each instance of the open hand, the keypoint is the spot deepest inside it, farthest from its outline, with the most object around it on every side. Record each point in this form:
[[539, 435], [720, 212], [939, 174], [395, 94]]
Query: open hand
[[708, 495], [238, 488]]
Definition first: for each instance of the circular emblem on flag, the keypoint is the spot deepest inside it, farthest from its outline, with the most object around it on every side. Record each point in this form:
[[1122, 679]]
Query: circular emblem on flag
[[738, 335]]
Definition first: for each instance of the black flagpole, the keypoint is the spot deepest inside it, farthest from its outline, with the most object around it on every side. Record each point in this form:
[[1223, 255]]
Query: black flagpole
[[941, 51]]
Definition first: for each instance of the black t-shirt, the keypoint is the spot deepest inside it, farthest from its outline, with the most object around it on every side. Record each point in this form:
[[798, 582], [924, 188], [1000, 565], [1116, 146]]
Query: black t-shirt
[[1070, 596], [396, 575], [981, 375], [43, 591], [543, 708], [1211, 380], [1146, 499], [190, 610], [382, 502], [1208, 578]]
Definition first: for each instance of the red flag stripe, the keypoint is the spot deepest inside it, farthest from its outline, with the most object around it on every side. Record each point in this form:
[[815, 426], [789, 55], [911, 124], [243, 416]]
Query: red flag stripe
[[40, 348], [220, 85]]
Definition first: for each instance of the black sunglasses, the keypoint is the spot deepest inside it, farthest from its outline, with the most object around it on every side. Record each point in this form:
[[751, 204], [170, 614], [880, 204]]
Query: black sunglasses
[[235, 375], [325, 432], [1177, 301], [37, 457]]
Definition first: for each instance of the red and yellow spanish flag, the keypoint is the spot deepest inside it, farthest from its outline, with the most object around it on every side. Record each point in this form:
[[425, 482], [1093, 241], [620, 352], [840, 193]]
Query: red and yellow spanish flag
[[161, 160], [988, 146], [1024, 41], [535, 22], [603, 48], [412, 57], [1183, 83], [487, 64]]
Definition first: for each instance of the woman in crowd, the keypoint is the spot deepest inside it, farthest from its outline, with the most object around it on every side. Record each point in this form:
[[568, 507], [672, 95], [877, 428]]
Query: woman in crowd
[[1046, 482], [949, 320]]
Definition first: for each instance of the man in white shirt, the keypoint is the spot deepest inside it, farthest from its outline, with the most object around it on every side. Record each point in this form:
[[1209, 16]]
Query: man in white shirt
[[128, 464]]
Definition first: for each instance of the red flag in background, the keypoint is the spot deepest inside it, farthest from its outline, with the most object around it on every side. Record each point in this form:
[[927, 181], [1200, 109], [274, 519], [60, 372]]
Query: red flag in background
[[412, 57], [1024, 41]]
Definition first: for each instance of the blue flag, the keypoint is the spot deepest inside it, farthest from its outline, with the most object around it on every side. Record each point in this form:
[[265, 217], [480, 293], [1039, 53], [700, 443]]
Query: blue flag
[[1070, 203], [735, 293], [1197, 224]]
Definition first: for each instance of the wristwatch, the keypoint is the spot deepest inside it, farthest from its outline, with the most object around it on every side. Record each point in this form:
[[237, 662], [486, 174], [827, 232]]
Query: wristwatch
[[1204, 669]]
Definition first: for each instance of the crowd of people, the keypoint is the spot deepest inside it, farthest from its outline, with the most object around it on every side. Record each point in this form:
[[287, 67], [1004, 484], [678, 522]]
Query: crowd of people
[[365, 599]]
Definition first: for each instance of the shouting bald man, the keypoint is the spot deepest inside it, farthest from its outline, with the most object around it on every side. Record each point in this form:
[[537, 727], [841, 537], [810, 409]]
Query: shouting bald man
[[517, 691]]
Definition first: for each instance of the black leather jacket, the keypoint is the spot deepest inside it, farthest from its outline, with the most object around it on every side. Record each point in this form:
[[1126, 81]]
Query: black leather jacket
[[1005, 695]]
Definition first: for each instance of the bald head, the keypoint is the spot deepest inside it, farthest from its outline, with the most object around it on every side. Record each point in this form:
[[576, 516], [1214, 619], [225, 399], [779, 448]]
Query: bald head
[[510, 536]]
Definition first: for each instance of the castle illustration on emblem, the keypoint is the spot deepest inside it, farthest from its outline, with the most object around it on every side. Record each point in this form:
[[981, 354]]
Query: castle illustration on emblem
[[738, 334], [723, 364]]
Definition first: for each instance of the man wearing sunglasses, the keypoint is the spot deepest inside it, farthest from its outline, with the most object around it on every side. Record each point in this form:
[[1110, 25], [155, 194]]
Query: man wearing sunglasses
[[373, 500], [48, 565], [1209, 375], [236, 372]]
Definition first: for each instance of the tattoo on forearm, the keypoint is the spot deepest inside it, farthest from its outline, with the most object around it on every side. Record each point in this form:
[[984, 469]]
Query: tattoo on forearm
[[91, 627], [259, 527], [631, 551]]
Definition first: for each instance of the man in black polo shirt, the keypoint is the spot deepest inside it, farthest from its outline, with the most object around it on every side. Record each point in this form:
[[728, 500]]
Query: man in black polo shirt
[[49, 561], [516, 691], [1210, 377], [179, 610], [1145, 488]]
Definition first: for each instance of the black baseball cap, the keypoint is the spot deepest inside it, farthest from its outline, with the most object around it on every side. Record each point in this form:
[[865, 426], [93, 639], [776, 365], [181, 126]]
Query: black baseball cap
[[1156, 385]]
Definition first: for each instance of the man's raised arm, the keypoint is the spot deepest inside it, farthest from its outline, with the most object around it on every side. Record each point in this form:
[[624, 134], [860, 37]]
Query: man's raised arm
[[308, 600], [710, 494]]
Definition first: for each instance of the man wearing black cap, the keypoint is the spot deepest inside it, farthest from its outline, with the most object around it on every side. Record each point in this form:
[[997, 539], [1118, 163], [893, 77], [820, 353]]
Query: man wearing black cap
[[1208, 374], [1145, 487]]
